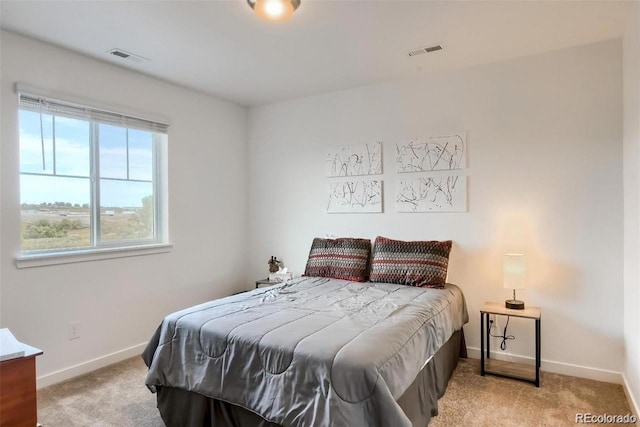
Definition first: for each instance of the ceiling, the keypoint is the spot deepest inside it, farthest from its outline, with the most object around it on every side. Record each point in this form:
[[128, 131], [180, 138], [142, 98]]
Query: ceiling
[[223, 49]]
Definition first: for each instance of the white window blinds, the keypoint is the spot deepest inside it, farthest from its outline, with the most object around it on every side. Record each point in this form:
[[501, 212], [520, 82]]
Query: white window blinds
[[45, 105]]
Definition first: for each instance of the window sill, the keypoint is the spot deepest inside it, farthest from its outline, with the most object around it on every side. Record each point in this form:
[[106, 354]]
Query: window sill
[[44, 259]]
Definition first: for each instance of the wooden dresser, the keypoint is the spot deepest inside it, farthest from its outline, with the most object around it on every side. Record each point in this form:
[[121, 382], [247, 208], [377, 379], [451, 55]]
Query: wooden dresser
[[18, 404]]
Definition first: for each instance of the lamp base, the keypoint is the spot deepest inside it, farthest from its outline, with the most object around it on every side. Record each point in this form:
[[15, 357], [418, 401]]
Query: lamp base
[[514, 304]]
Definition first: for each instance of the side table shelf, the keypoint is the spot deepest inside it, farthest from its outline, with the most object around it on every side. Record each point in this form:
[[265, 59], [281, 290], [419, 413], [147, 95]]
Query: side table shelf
[[520, 371]]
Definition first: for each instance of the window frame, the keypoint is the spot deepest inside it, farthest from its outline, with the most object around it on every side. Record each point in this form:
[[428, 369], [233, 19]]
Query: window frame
[[99, 249], [96, 231]]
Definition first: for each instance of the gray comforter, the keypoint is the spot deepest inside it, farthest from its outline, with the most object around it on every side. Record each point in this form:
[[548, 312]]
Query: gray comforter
[[310, 352]]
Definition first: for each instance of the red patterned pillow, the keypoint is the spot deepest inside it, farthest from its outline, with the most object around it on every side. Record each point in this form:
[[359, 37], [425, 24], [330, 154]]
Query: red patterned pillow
[[344, 258], [420, 263]]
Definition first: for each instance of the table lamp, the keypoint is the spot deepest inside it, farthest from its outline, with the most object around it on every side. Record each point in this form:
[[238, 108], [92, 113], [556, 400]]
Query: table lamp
[[514, 277]]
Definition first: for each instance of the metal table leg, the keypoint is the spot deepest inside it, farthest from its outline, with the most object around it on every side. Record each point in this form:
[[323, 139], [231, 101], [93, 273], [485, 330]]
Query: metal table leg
[[482, 344], [537, 352]]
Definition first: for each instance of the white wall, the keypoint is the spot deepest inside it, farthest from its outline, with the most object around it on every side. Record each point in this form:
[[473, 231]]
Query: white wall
[[120, 302], [545, 164], [632, 202]]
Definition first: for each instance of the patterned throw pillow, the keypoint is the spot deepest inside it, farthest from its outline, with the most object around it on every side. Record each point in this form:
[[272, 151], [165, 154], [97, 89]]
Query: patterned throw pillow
[[344, 258], [420, 263]]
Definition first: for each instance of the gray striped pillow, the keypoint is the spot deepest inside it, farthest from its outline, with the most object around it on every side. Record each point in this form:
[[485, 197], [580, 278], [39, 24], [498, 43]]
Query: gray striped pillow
[[419, 263], [344, 258]]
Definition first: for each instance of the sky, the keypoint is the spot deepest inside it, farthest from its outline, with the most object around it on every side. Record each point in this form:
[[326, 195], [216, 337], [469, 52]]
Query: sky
[[72, 156]]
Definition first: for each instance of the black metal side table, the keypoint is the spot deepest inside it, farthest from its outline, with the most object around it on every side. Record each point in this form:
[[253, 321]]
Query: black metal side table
[[503, 368]]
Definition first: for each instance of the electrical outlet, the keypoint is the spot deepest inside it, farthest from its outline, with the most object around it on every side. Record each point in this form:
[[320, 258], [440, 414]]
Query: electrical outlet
[[74, 330]]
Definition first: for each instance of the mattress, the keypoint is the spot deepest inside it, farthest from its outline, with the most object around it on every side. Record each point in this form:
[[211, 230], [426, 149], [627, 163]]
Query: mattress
[[311, 351]]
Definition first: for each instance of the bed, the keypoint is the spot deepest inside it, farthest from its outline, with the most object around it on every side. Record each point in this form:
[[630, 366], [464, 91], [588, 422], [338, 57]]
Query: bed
[[313, 351]]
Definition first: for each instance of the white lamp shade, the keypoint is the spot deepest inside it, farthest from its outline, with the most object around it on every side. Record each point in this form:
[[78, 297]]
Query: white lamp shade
[[514, 271]]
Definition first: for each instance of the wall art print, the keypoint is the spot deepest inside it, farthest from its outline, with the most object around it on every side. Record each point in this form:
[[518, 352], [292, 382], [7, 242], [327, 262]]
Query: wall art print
[[446, 152], [355, 197], [445, 193], [354, 160]]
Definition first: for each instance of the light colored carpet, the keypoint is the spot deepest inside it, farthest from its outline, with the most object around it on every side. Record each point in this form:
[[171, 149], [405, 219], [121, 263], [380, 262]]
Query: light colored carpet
[[116, 396], [472, 400]]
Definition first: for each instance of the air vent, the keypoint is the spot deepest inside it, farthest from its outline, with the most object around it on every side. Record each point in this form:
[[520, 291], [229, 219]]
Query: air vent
[[422, 50], [120, 54], [416, 52], [128, 56]]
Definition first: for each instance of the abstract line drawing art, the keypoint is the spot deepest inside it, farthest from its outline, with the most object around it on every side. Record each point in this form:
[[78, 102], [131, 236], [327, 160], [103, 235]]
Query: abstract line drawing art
[[447, 152], [432, 194], [353, 160], [355, 197]]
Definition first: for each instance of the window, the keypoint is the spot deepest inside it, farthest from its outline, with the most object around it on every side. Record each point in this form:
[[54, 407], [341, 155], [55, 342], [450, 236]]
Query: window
[[89, 179]]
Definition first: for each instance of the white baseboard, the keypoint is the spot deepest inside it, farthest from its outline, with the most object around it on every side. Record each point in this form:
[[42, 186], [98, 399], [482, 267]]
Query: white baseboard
[[633, 403], [88, 366], [556, 367]]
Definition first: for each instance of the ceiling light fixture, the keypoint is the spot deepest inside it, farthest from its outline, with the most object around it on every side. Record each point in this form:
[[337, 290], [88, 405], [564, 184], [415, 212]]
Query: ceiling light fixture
[[274, 10]]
